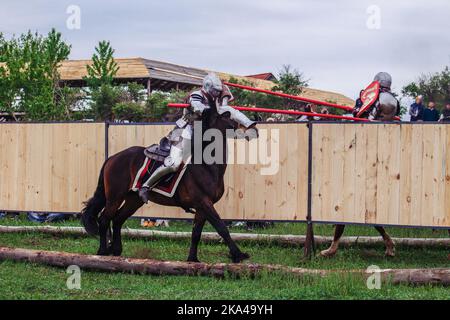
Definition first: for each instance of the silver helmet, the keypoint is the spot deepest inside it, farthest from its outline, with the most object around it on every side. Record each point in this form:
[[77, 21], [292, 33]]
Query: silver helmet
[[212, 85], [384, 79]]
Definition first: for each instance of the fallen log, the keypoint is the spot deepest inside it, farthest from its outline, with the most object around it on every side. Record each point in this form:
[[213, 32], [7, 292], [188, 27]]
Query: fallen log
[[436, 276], [291, 240]]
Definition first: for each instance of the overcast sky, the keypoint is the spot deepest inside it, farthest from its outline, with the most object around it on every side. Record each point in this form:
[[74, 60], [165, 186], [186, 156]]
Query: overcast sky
[[327, 40]]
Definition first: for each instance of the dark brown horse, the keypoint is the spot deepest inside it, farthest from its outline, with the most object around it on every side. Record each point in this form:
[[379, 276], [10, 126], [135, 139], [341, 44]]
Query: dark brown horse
[[199, 189]]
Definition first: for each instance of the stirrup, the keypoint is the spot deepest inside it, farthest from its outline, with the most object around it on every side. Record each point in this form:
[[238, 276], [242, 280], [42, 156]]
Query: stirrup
[[144, 194]]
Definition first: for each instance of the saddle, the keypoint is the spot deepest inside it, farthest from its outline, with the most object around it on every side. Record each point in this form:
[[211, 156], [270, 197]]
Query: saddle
[[155, 156], [160, 151]]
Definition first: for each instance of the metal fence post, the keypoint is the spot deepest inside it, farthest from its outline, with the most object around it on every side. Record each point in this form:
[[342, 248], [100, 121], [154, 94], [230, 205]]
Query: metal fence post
[[310, 247], [106, 140]]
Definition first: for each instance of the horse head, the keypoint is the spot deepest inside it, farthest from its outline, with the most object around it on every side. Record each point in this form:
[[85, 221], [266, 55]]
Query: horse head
[[228, 127]]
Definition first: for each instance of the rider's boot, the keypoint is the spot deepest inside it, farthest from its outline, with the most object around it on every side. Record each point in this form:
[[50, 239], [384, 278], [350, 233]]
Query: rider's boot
[[171, 164]]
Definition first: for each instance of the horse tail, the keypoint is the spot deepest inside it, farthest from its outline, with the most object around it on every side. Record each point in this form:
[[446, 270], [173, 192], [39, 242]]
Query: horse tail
[[93, 207]]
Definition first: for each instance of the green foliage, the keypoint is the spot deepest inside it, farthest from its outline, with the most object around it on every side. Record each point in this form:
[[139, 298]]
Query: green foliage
[[130, 111], [135, 92], [434, 87], [68, 99], [29, 76], [289, 81], [104, 68], [103, 99], [156, 105], [103, 95]]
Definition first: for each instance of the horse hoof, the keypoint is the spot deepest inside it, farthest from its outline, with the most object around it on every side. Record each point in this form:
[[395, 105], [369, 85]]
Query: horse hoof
[[117, 253], [193, 260], [102, 253], [390, 253], [327, 253], [240, 257]]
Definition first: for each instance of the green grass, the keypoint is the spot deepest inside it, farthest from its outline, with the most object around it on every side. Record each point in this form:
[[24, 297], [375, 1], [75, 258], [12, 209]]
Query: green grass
[[31, 281]]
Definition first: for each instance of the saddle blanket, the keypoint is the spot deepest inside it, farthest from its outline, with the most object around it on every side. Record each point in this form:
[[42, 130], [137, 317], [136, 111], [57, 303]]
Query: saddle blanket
[[166, 186]]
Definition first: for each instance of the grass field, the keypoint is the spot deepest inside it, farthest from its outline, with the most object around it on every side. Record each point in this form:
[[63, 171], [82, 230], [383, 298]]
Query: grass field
[[30, 281]]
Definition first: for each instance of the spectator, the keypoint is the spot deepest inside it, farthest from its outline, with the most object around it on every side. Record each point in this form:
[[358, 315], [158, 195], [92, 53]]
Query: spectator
[[430, 113], [308, 108], [358, 103], [445, 117], [416, 109], [324, 111]]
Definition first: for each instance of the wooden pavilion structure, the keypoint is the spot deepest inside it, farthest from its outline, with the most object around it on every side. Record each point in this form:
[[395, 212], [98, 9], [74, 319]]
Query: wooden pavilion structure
[[164, 76]]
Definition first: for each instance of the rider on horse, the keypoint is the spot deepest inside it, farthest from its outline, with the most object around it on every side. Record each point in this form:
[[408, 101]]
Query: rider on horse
[[386, 107], [212, 93]]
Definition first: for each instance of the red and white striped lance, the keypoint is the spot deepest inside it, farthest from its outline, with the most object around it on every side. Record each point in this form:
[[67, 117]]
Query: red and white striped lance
[[278, 111]]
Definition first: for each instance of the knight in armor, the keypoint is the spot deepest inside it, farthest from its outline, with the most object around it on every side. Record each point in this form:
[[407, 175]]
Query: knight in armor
[[212, 93], [387, 107]]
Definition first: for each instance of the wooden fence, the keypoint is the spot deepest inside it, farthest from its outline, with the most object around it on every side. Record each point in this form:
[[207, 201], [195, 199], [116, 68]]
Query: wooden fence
[[248, 194], [391, 174], [49, 167], [394, 174]]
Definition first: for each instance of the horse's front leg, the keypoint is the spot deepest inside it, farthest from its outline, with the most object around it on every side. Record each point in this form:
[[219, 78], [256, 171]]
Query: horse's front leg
[[199, 222], [132, 203], [210, 214]]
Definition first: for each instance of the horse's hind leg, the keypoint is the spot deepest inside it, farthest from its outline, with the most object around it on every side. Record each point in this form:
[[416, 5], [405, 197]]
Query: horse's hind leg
[[199, 222], [209, 212], [331, 251], [132, 203], [390, 247], [104, 226]]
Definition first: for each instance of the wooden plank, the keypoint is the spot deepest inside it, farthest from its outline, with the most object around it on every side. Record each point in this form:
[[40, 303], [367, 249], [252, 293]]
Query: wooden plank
[[447, 177], [349, 173], [416, 174], [371, 173], [383, 174], [337, 172], [394, 173], [360, 173], [325, 170], [438, 171], [317, 172], [427, 207], [280, 181], [302, 153], [405, 210]]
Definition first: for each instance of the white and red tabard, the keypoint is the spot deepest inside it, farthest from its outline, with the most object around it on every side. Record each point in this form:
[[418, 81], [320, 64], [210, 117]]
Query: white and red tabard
[[369, 97]]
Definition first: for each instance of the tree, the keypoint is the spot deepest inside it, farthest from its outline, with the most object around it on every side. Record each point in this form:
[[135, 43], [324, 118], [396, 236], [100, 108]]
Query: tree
[[289, 81], [29, 76], [101, 73], [434, 87], [103, 68]]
